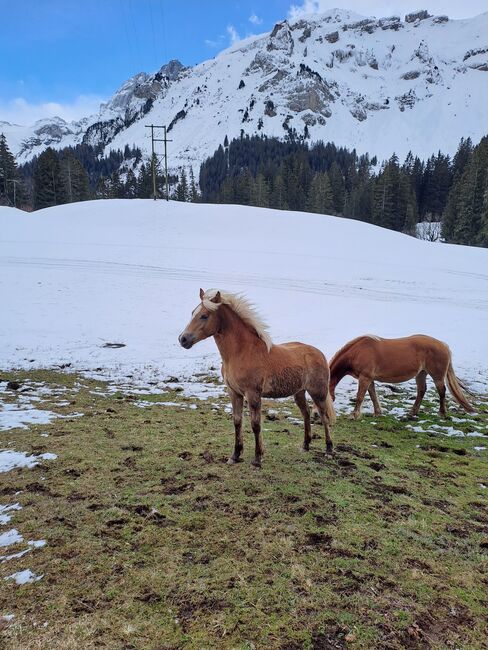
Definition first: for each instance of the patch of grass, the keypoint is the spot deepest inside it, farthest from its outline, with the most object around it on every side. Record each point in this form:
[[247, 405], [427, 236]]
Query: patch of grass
[[154, 542]]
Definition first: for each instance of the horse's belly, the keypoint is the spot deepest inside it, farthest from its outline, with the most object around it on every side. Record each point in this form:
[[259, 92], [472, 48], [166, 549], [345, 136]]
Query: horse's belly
[[397, 375], [288, 381]]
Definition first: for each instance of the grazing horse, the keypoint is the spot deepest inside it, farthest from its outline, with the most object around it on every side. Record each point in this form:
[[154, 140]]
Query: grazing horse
[[253, 367], [367, 358]]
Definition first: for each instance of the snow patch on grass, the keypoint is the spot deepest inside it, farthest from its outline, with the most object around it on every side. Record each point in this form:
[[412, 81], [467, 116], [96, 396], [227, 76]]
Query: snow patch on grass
[[5, 509], [10, 459], [10, 537], [24, 577]]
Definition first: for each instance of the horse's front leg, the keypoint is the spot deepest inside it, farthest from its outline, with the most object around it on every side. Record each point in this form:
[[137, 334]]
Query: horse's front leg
[[237, 404], [374, 399], [363, 385], [254, 402]]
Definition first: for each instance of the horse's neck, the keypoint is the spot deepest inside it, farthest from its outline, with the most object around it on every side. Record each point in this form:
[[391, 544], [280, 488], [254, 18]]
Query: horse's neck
[[339, 369], [234, 336]]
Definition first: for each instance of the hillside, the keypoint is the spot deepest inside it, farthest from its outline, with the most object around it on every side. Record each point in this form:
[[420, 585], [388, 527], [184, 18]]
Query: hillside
[[78, 276], [381, 85]]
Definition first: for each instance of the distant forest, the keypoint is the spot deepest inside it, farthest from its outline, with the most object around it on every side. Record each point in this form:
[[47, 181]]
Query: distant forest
[[266, 172], [326, 179]]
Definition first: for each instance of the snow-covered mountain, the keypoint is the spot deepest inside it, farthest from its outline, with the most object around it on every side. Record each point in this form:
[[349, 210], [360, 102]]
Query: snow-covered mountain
[[382, 85]]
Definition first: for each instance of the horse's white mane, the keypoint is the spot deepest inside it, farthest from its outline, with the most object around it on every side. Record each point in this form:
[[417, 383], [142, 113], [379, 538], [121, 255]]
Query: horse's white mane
[[243, 308]]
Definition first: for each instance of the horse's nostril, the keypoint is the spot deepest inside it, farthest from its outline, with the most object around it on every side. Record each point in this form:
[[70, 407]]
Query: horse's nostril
[[185, 340]]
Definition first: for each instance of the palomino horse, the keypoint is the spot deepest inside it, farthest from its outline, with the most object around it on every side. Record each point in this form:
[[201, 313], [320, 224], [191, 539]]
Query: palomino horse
[[253, 367], [367, 358]]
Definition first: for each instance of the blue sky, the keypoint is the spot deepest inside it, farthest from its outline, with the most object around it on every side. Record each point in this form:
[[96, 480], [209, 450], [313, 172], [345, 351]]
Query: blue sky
[[65, 56]]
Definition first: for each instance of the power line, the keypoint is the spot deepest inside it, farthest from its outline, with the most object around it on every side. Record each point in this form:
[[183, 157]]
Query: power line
[[153, 34], [131, 11], [126, 29], [163, 24]]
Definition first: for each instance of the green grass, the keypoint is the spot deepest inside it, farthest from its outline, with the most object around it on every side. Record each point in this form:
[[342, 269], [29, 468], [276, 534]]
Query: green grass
[[154, 542]]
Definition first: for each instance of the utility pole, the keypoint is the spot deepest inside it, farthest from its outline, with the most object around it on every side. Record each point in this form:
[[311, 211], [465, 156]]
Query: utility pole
[[15, 183], [154, 157]]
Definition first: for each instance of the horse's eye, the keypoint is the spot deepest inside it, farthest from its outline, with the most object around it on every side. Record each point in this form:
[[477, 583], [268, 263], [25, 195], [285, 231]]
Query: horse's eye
[[203, 317]]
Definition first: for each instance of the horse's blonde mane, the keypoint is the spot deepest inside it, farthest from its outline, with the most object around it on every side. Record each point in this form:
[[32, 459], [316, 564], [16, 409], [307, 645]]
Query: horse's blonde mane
[[350, 344], [243, 308]]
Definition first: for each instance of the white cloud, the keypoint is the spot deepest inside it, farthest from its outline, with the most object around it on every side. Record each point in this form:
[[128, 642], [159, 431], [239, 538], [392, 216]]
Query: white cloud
[[452, 8], [21, 111], [214, 43], [255, 20], [233, 35]]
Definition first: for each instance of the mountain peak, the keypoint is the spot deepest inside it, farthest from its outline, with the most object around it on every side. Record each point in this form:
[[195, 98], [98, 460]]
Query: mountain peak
[[375, 84]]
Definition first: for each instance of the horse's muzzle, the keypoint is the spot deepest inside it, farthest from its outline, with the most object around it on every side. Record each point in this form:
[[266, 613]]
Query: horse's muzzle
[[186, 340]]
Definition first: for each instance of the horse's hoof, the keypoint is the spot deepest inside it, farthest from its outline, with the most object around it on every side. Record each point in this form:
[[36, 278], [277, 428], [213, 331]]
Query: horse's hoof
[[330, 448], [306, 448], [256, 463], [234, 461]]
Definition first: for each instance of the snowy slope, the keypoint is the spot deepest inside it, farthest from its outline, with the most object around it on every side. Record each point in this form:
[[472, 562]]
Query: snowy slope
[[75, 277], [381, 85]]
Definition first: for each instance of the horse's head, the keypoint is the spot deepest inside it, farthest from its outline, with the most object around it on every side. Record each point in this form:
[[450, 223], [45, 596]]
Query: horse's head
[[203, 322]]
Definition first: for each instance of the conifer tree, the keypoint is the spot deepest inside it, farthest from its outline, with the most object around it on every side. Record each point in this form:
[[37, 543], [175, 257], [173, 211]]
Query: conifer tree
[[130, 187], [320, 198], [472, 188], [194, 196], [181, 193], [226, 194], [144, 182], [116, 186], [103, 188], [74, 179], [338, 187], [483, 235], [12, 190], [259, 192], [49, 189], [277, 197]]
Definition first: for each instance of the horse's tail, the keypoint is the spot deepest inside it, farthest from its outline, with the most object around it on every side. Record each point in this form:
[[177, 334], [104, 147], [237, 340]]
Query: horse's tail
[[329, 409], [456, 390]]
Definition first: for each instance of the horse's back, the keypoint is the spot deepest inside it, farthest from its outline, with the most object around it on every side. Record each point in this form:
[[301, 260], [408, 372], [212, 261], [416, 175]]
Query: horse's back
[[392, 360], [421, 343], [297, 352], [293, 367]]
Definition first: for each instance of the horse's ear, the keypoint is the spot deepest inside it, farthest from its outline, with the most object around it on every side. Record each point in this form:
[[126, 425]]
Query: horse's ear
[[217, 298], [202, 293]]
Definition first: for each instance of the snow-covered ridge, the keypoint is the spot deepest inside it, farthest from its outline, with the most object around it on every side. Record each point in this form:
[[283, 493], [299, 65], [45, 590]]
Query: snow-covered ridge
[[381, 85], [76, 277]]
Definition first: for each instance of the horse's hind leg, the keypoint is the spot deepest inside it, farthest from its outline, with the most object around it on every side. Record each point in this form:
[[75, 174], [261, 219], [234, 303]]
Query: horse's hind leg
[[374, 399], [441, 389], [321, 403], [301, 402], [254, 402], [237, 404], [363, 385], [420, 380]]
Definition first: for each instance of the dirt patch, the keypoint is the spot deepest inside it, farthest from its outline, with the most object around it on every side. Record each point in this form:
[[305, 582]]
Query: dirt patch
[[319, 539], [332, 638], [377, 466], [441, 626], [178, 489], [353, 451]]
